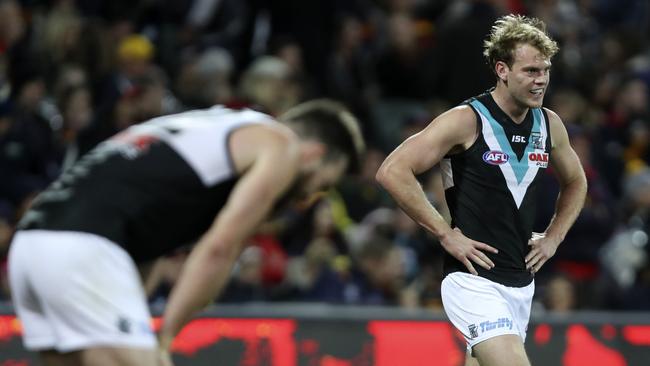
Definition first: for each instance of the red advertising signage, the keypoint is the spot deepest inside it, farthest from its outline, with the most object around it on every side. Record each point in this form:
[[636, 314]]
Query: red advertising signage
[[323, 342]]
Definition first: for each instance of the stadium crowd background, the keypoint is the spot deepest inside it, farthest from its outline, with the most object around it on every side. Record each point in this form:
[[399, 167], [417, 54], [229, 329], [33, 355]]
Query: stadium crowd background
[[73, 73]]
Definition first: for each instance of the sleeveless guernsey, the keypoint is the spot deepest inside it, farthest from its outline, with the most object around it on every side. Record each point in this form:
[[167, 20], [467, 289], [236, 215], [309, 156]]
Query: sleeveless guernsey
[[152, 188], [490, 188]]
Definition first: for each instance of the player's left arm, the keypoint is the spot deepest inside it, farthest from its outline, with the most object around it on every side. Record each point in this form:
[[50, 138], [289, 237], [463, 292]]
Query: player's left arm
[[573, 189]]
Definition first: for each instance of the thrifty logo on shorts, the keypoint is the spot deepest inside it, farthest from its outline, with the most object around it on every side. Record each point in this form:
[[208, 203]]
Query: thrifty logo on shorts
[[500, 323]]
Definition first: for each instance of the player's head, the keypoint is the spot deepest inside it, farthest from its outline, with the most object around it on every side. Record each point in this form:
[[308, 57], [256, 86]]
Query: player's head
[[519, 52], [336, 139]]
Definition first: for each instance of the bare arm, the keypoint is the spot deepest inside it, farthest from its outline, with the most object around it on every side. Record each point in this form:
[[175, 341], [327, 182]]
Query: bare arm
[[209, 264], [573, 189], [453, 130]]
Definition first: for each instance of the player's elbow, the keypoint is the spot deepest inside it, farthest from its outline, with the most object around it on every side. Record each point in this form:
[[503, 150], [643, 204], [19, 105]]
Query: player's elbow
[[584, 184], [577, 185], [580, 181], [387, 174], [382, 174], [222, 252]]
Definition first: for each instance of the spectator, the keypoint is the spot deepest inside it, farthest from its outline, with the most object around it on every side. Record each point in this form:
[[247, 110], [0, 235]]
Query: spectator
[[268, 84], [560, 295], [206, 80]]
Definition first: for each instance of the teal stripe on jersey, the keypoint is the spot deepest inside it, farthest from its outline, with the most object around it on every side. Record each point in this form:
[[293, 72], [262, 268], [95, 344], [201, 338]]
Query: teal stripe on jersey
[[519, 167]]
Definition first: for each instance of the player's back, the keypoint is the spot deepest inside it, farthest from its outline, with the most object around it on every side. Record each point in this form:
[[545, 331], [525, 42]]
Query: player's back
[[150, 188]]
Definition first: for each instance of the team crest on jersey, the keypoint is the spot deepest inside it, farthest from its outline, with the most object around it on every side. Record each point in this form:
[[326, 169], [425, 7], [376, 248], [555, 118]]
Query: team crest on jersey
[[539, 159], [537, 140], [495, 157]]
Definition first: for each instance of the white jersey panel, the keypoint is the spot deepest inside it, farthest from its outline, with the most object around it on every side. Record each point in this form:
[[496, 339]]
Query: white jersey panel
[[195, 134]]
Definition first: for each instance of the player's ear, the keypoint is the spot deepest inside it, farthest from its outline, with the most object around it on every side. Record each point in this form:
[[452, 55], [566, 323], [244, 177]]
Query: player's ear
[[313, 150], [501, 69]]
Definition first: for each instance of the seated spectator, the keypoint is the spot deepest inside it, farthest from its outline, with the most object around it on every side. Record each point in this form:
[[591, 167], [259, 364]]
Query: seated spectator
[[361, 193], [268, 84], [6, 232], [206, 79], [560, 295], [375, 277]]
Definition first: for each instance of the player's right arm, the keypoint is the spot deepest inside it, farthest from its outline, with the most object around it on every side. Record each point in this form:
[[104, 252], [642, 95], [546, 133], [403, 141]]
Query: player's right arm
[[454, 130], [268, 162]]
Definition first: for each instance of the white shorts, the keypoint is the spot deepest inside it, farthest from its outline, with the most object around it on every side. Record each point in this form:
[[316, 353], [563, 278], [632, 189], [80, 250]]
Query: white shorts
[[73, 291], [481, 309]]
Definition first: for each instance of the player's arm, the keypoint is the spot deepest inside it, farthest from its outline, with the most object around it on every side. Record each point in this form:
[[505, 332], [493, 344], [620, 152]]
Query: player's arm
[[454, 130], [573, 189], [209, 264]]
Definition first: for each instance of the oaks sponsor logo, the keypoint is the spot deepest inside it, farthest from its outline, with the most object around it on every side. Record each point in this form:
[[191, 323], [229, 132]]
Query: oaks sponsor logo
[[539, 159]]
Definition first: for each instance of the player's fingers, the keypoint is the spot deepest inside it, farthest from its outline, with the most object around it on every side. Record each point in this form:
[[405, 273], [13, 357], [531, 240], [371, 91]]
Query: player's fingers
[[531, 254], [539, 265], [478, 260], [470, 267], [484, 258], [483, 246], [533, 261]]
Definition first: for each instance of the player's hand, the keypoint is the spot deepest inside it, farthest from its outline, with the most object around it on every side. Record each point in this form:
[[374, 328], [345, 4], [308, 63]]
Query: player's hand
[[467, 250], [542, 248]]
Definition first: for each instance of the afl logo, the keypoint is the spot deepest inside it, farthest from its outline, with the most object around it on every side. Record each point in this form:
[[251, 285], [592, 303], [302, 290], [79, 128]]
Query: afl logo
[[495, 157]]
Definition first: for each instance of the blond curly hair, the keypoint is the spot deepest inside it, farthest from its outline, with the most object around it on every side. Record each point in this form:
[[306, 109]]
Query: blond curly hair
[[509, 31]]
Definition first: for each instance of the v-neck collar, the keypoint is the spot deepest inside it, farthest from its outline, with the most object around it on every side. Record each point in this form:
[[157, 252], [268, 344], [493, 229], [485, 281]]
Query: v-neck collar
[[501, 115]]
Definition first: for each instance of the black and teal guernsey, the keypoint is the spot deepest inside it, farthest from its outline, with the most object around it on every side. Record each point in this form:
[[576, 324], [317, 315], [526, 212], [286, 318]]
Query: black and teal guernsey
[[490, 188]]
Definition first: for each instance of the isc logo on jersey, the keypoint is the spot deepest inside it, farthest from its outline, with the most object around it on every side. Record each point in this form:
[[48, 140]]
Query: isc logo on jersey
[[495, 157], [539, 159]]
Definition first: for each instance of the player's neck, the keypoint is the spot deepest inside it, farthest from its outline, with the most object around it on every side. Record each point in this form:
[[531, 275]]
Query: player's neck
[[502, 98]]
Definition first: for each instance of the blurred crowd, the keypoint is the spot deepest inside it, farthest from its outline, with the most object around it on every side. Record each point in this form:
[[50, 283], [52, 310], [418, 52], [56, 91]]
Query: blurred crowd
[[73, 73]]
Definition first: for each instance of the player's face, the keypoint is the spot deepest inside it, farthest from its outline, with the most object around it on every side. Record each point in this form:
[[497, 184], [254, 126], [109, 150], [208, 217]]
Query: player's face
[[529, 76], [311, 185], [326, 175]]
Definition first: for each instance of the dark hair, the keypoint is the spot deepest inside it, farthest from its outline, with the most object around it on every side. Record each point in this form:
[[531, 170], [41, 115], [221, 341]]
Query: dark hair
[[331, 123], [376, 247]]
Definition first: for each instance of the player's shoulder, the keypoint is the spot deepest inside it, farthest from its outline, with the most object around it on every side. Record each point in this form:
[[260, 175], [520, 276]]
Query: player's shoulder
[[460, 118], [456, 126], [253, 141], [268, 135], [558, 130], [554, 121], [461, 114], [553, 117]]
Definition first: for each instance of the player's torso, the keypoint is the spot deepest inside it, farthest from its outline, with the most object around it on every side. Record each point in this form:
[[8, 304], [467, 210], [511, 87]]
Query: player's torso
[[152, 187], [491, 187]]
